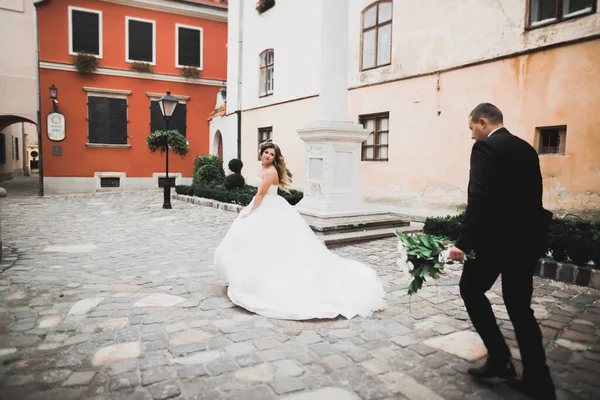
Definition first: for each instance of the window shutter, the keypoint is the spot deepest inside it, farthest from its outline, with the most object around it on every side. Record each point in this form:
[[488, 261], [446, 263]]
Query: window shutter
[[140, 41], [178, 120], [157, 122], [107, 120], [86, 32], [189, 47]]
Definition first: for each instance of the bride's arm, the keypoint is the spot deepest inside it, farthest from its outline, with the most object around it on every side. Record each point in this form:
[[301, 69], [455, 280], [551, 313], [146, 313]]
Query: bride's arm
[[267, 182]]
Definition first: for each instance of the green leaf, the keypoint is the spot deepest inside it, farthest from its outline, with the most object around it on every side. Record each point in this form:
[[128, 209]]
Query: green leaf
[[435, 275], [424, 271], [425, 252], [426, 241]]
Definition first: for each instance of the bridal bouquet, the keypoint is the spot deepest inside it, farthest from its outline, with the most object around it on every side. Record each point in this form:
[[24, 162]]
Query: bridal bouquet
[[420, 256]]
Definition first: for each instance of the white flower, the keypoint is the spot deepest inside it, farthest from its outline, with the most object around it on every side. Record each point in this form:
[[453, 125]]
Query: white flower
[[410, 266], [402, 252]]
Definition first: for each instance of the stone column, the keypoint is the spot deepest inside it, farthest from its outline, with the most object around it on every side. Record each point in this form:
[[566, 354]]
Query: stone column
[[333, 142]]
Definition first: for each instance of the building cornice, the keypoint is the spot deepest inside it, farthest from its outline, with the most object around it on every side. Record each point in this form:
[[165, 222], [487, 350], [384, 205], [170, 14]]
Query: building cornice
[[134, 74], [188, 9]]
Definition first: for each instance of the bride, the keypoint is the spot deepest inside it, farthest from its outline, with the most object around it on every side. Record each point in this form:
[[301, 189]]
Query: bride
[[275, 266]]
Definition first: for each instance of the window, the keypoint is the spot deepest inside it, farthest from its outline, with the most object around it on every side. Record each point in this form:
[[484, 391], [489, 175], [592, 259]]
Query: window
[[552, 140], [85, 31], [377, 35], [542, 12], [2, 148], [375, 148], [177, 121], [267, 60], [107, 120], [141, 39], [189, 46], [264, 134], [17, 148]]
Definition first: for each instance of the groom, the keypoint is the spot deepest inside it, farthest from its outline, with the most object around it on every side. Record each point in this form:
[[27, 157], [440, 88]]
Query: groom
[[506, 225]]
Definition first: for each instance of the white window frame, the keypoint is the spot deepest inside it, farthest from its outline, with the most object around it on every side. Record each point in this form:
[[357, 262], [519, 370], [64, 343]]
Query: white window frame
[[149, 21], [197, 28], [89, 10]]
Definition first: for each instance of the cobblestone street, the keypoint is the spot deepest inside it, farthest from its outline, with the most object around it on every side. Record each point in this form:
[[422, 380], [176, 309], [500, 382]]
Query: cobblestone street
[[111, 297]]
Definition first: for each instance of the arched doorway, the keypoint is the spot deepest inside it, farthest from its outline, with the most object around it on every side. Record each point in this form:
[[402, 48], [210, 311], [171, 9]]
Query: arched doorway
[[219, 144]]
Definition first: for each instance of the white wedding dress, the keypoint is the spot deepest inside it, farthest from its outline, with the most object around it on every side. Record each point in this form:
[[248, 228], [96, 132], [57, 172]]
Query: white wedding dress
[[276, 266]]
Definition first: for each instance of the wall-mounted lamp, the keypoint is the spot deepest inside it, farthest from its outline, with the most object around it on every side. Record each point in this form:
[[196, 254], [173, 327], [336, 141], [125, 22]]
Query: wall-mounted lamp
[[54, 95]]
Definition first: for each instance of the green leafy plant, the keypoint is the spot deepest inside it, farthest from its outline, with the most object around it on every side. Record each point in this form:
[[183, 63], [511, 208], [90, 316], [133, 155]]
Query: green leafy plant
[[235, 165], [85, 63], [421, 256], [177, 142], [190, 72], [215, 174], [144, 67], [234, 181], [242, 196]]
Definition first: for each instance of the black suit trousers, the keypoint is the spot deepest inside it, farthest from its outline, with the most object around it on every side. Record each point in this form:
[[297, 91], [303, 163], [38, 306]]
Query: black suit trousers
[[517, 288]]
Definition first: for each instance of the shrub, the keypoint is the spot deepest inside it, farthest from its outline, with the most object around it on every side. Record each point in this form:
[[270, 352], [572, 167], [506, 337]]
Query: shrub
[[86, 63], [210, 175], [215, 173], [241, 196], [143, 67], [190, 72], [236, 165], [575, 241], [234, 181]]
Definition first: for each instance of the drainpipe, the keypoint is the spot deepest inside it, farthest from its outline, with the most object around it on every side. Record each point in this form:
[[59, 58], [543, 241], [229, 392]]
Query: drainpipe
[[239, 80], [26, 171], [39, 105]]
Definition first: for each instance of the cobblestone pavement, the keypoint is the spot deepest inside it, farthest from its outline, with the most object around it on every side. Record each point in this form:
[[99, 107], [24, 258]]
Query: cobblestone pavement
[[111, 297]]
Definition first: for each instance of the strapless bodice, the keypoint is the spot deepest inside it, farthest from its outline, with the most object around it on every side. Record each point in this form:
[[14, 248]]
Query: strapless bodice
[[272, 189]]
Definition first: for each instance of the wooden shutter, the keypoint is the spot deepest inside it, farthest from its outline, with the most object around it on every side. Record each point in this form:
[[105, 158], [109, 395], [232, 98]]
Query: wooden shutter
[[107, 120], [86, 32], [178, 119], [140, 41], [189, 47]]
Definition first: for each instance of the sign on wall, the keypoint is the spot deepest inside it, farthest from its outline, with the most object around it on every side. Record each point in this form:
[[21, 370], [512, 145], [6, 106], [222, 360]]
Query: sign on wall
[[55, 125]]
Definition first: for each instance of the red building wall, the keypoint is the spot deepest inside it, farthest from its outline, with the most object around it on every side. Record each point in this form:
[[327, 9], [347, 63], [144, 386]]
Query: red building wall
[[80, 160]]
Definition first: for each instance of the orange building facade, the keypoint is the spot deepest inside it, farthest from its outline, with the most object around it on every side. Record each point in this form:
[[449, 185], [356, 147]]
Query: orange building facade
[[94, 137]]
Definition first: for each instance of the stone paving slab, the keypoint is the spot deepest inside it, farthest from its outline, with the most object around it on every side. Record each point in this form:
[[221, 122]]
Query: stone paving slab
[[128, 306]]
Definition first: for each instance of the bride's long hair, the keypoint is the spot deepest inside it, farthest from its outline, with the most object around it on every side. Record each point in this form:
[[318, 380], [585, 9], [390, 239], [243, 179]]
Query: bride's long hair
[[278, 162]]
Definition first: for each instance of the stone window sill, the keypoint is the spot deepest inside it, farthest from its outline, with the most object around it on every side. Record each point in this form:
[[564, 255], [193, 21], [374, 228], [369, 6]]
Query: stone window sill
[[108, 146]]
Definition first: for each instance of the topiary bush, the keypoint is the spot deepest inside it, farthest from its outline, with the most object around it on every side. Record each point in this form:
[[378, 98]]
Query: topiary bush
[[236, 165], [210, 175], [215, 174], [234, 181]]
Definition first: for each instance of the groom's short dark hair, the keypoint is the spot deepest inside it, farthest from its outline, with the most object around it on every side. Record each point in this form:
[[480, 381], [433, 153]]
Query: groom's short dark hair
[[489, 111]]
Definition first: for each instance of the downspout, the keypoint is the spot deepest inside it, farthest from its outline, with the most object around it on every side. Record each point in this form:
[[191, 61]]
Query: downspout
[[39, 105], [239, 80]]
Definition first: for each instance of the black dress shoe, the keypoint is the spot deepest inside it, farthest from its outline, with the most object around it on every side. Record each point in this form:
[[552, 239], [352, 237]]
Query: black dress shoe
[[494, 369], [543, 390]]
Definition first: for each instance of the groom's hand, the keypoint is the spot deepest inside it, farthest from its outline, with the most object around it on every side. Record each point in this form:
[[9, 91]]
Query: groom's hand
[[456, 254]]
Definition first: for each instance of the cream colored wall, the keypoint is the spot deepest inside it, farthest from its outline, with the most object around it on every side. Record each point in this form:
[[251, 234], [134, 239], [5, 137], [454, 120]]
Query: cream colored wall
[[285, 120], [428, 35], [429, 153], [428, 163], [13, 166], [17, 59]]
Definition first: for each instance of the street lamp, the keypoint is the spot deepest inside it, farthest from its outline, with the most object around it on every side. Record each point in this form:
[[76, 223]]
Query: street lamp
[[53, 95], [167, 105]]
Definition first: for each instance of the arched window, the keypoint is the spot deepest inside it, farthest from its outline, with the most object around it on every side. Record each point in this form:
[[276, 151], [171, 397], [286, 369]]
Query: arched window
[[377, 35], [267, 83]]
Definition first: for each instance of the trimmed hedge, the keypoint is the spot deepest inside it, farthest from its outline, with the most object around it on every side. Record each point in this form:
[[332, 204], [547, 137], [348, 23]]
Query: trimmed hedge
[[569, 240], [242, 196]]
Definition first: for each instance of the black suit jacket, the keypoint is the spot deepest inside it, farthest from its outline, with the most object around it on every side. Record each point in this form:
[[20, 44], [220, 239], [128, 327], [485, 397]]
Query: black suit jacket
[[504, 212]]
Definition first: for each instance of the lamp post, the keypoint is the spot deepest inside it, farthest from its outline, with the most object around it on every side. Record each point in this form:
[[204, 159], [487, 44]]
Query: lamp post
[[167, 105], [53, 95]]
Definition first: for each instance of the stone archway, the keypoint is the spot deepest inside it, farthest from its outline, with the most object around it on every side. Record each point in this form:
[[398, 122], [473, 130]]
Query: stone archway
[[218, 145]]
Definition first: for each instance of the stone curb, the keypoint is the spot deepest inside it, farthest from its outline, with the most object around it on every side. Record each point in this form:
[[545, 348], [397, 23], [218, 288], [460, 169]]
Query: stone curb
[[208, 203], [568, 273]]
